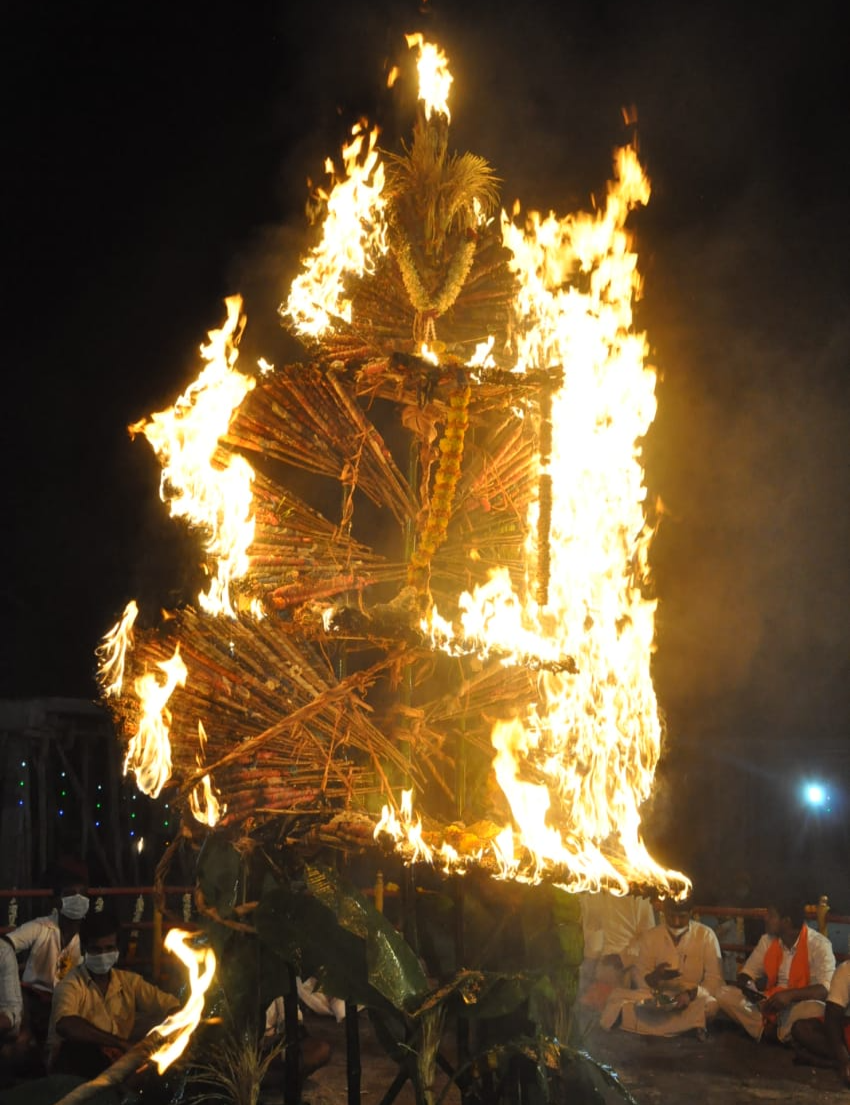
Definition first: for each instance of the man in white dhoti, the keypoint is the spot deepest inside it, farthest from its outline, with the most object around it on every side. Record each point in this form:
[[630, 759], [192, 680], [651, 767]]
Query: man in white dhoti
[[679, 973], [785, 979], [827, 1042], [611, 926]]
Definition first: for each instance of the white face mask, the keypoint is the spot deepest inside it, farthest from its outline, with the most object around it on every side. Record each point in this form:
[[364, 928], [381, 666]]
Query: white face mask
[[101, 963], [678, 932], [75, 907]]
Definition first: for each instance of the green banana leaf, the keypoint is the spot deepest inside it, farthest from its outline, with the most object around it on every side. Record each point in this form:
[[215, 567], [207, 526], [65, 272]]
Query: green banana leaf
[[218, 872], [338, 936]]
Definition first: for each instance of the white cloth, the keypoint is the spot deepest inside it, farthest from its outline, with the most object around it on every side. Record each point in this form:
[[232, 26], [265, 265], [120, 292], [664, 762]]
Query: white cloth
[[821, 959], [821, 970], [317, 1002], [612, 925], [11, 1002], [48, 961], [839, 988], [696, 956]]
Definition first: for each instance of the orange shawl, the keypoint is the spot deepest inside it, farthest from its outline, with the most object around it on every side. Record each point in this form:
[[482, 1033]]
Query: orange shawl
[[798, 974]]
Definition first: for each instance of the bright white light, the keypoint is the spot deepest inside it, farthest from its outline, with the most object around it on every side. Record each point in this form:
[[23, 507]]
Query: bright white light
[[815, 794]]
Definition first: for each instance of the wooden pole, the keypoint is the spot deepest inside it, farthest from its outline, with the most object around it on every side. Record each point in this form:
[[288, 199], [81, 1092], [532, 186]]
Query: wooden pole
[[352, 1053], [292, 1080], [156, 950]]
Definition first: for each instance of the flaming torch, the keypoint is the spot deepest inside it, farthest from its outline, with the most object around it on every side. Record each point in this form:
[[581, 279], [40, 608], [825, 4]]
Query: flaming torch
[[200, 963]]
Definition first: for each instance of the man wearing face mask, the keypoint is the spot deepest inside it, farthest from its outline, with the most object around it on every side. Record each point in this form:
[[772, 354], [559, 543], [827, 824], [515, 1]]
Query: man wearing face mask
[[52, 943], [96, 1006], [679, 973]]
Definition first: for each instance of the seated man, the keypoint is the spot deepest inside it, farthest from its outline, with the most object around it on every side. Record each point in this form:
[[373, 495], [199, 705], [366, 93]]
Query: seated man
[[826, 1042], [52, 943], [95, 1006], [611, 926], [11, 1003], [679, 973], [785, 978]]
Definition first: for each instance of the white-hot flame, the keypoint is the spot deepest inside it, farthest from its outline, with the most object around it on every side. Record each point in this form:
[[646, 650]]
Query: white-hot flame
[[354, 235], [405, 827], [200, 963], [112, 652], [198, 485], [435, 80], [576, 764], [149, 751]]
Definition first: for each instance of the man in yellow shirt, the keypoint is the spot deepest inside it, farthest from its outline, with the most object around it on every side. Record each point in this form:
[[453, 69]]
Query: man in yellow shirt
[[96, 1006]]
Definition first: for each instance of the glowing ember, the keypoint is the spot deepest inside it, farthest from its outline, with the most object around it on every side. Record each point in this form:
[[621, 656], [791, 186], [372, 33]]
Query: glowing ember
[[112, 651], [200, 963], [209, 492], [434, 77], [149, 751], [203, 799], [353, 235]]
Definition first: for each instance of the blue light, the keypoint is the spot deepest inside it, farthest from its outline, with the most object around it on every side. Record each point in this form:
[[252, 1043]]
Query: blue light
[[815, 794]]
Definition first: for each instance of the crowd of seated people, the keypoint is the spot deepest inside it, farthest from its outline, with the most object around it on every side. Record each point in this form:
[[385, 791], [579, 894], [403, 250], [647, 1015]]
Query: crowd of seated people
[[788, 991], [72, 1010], [77, 1011]]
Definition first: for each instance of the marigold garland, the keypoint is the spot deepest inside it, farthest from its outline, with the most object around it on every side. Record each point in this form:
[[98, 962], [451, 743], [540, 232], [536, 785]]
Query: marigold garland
[[442, 499]]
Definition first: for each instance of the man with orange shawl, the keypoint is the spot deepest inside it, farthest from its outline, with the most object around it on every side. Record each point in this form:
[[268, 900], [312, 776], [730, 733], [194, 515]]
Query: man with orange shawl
[[785, 979]]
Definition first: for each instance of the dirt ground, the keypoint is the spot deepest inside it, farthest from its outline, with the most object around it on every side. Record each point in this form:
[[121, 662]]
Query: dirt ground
[[727, 1069]]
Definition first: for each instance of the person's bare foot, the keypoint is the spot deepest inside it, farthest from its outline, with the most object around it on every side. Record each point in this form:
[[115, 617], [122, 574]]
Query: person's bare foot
[[315, 1054]]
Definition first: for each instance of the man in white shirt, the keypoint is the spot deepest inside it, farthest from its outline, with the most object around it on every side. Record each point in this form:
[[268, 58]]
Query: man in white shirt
[[612, 925], [678, 972], [11, 1003], [52, 943], [785, 979], [829, 1039]]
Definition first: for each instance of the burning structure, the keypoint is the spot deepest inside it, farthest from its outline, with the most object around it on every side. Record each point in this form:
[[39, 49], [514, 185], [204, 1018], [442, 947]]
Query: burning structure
[[459, 606], [470, 619]]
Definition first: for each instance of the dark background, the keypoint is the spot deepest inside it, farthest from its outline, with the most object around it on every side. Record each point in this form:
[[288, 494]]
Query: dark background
[[155, 158]]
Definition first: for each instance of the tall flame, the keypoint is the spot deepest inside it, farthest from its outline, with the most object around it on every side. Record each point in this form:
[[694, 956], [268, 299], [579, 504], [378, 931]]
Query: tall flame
[[577, 764], [112, 652], [200, 963], [354, 234], [149, 751], [203, 799], [212, 494], [435, 80]]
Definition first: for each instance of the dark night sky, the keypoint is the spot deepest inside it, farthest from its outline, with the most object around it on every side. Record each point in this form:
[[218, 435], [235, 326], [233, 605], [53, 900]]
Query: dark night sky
[[155, 161]]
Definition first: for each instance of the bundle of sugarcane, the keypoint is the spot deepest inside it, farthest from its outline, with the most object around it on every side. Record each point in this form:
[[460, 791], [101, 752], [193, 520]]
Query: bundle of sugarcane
[[307, 417], [294, 542], [257, 689]]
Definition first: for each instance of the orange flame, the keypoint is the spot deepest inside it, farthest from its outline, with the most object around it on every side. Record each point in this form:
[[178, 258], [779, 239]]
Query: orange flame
[[149, 751], [200, 963], [592, 740], [203, 799], [112, 651], [210, 494], [354, 234], [403, 826]]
